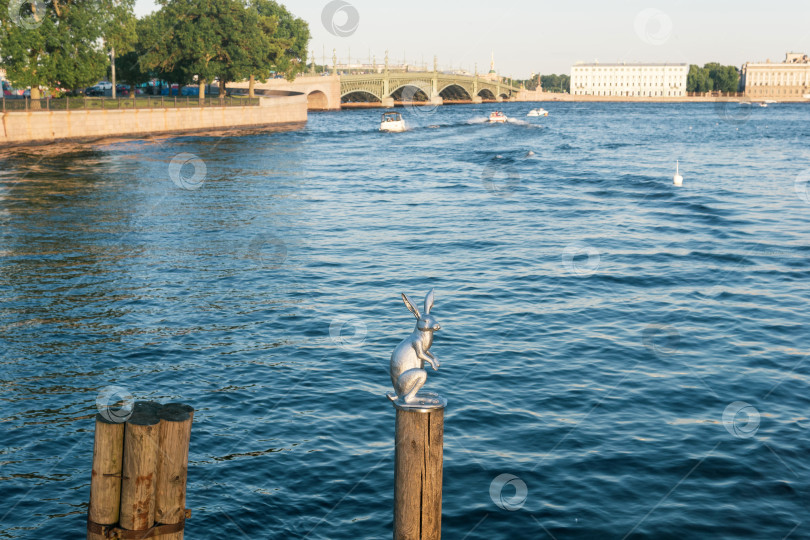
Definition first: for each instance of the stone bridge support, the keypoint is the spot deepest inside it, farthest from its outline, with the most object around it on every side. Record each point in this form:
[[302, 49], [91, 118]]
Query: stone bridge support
[[323, 92]]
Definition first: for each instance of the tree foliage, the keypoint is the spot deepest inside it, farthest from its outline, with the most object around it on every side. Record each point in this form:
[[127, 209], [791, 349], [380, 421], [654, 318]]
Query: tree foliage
[[556, 83], [712, 77], [224, 39], [65, 43], [287, 39], [549, 83], [58, 44], [697, 80], [129, 69], [118, 25], [191, 38]]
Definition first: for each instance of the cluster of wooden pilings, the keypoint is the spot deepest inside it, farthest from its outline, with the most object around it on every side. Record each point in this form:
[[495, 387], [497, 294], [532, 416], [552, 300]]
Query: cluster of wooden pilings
[[138, 486]]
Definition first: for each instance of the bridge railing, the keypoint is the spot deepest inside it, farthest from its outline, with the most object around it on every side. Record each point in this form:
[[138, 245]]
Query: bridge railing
[[427, 76]]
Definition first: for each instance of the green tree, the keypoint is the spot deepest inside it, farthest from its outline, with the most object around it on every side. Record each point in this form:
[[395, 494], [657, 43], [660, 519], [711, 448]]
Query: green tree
[[152, 49], [129, 69], [57, 47], [129, 65], [712, 77], [118, 31], [190, 38], [225, 39], [724, 78], [556, 83], [290, 40], [697, 80], [245, 48], [277, 42], [284, 42]]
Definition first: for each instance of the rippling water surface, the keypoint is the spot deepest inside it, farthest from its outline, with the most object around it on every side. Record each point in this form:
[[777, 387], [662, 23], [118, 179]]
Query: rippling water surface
[[635, 354]]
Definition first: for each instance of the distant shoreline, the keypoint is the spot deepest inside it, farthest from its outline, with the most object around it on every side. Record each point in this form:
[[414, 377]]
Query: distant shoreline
[[643, 99], [565, 98]]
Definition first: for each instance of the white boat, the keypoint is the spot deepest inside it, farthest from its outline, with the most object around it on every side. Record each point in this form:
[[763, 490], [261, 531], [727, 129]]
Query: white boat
[[538, 112], [763, 104], [393, 122], [498, 117], [770, 101]]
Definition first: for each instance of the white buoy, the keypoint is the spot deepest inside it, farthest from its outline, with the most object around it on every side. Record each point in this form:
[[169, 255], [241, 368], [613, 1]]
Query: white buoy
[[677, 179]]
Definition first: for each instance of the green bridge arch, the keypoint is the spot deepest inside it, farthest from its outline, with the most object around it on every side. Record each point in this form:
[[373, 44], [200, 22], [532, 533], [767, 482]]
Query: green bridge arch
[[436, 86]]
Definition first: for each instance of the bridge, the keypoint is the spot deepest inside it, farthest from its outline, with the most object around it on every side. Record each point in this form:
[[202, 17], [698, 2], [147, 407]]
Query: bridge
[[386, 89], [433, 87]]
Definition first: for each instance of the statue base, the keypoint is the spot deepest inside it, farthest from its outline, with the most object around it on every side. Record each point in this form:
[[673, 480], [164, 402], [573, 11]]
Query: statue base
[[422, 402]]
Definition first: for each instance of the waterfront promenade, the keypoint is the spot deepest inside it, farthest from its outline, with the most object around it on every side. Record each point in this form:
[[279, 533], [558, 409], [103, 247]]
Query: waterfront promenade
[[47, 126]]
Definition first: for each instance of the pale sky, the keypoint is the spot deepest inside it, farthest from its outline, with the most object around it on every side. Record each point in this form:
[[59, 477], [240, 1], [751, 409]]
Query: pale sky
[[548, 37]]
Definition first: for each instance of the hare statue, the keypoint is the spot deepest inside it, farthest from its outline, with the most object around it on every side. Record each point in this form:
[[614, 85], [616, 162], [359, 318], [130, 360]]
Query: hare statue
[[408, 373]]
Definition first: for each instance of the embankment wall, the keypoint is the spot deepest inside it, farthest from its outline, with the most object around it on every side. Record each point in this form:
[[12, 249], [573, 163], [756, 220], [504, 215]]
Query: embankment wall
[[21, 127]]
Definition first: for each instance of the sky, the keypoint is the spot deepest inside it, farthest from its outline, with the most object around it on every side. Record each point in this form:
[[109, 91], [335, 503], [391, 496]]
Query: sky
[[549, 37]]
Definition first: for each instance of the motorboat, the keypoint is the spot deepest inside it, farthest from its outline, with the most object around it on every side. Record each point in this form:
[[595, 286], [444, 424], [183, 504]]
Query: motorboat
[[497, 117], [763, 104], [538, 112], [392, 122]]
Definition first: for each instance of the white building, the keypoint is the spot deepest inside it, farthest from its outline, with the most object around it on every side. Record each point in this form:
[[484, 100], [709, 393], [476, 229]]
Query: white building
[[790, 79], [648, 80]]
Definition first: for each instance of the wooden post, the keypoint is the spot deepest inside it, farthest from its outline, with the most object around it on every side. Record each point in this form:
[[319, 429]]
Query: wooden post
[[105, 482], [172, 467], [140, 462], [418, 472]]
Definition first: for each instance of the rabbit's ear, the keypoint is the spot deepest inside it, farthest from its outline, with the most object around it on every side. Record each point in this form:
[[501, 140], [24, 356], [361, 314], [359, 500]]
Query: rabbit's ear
[[428, 302], [411, 305]]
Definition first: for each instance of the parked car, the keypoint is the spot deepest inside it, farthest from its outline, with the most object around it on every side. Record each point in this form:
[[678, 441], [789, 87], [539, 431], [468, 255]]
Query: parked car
[[121, 90], [94, 91], [190, 91], [173, 91], [10, 92]]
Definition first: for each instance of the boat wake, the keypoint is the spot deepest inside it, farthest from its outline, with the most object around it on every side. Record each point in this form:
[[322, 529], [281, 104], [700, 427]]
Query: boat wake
[[519, 122]]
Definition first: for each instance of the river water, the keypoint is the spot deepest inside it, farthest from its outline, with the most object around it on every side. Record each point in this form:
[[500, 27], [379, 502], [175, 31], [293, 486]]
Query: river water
[[621, 357]]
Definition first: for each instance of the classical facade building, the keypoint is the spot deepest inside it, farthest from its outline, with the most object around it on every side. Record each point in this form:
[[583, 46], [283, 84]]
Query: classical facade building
[[790, 79], [648, 80]]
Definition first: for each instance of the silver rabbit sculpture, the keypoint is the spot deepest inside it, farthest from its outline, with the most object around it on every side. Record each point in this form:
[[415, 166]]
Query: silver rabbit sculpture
[[408, 373]]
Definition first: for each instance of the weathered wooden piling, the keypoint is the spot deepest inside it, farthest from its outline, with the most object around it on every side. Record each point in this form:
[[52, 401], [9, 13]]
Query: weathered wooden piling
[[140, 465], [418, 469], [105, 482], [172, 467]]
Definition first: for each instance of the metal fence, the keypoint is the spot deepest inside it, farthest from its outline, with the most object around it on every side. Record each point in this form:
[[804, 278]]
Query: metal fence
[[715, 94], [139, 102]]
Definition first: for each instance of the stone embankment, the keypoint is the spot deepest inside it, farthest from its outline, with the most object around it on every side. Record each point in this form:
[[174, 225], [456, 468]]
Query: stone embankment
[[36, 127]]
